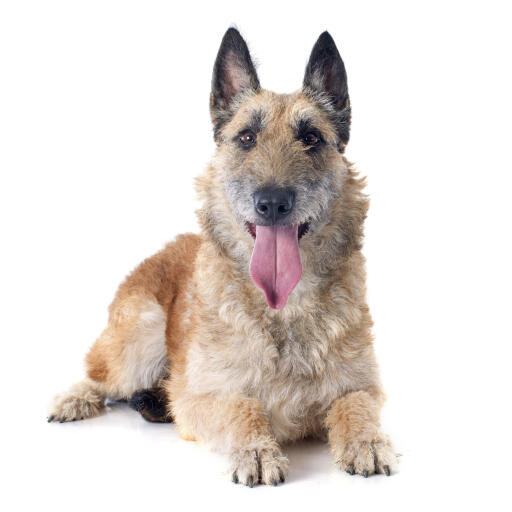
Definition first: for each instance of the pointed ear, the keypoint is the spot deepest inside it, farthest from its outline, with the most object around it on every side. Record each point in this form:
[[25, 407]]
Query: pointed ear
[[326, 79], [233, 74]]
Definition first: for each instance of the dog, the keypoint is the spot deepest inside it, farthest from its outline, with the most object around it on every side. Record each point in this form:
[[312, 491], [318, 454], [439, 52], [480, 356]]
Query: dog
[[256, 331]]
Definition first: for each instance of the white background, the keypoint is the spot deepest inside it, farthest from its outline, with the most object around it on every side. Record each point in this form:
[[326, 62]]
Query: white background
[[103, 125]]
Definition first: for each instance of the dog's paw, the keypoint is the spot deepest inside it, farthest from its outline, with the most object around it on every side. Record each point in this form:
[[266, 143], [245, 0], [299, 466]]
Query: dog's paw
[[265, 466], [82, 401], [369, 457]]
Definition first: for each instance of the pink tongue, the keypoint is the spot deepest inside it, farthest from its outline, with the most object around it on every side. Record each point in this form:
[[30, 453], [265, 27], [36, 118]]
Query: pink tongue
[[275, 263]]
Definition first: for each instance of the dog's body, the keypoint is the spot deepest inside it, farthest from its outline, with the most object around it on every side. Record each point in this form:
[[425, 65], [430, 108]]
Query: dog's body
[[191, 336]]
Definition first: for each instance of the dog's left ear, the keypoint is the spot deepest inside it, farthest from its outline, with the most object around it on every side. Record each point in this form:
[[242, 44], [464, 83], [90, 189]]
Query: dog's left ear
[[233, 74], [326, 79]]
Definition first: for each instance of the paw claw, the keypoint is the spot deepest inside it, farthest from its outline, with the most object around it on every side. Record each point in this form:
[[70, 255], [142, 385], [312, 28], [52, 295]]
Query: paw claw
[[264, 465], [367, 457], [82, 399]]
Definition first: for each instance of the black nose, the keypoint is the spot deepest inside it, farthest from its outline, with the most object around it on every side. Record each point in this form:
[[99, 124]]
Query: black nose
[[273, 203]]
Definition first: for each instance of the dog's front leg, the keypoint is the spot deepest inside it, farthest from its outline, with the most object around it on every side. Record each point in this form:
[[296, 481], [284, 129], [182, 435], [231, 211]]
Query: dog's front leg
[[238, 426], [356, 441]]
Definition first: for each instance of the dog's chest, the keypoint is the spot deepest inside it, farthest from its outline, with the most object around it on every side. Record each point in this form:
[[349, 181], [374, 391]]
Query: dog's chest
[[301, 379], [291, 365]]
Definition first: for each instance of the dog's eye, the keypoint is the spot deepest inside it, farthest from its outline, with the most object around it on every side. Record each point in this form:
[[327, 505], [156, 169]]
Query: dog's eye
[[311, 139], [248, 138]]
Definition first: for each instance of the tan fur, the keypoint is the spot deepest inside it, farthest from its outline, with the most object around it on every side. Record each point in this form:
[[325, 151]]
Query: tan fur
[[244, 377], [119, 363], [356, 442], [84, 399], [140, 312]]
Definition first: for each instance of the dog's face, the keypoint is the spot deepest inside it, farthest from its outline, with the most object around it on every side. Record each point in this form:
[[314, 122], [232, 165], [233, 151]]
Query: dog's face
[[278, 157]]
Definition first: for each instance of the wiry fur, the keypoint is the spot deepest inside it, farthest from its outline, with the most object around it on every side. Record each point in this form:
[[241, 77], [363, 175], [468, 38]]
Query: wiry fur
[[236, 373]]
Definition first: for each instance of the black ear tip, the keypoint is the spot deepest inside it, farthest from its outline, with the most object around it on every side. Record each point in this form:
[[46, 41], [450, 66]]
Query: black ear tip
[[325, 39], [232, 33], [234, 40]]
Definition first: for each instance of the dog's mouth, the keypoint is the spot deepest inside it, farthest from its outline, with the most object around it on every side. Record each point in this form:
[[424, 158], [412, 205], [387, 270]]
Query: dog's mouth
[[303, 229], [276, 267]]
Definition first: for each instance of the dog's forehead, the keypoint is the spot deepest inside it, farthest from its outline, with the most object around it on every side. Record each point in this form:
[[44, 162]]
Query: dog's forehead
[[280, 113]]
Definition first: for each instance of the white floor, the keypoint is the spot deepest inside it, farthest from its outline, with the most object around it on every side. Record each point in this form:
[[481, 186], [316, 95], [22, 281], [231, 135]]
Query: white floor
[[120, 462]]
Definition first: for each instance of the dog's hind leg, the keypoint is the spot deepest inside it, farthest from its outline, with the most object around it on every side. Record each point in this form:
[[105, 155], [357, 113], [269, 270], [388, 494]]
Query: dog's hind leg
[[130, 355]]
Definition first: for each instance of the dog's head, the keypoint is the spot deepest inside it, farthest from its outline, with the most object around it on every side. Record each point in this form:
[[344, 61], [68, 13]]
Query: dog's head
[[278, 169]]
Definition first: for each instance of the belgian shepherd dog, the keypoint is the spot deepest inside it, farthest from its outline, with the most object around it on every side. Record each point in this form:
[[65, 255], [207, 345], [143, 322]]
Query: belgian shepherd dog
[[256, 331]]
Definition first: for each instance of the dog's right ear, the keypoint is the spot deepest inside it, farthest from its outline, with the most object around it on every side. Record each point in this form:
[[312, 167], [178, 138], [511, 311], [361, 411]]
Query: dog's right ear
[[233, 74]]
